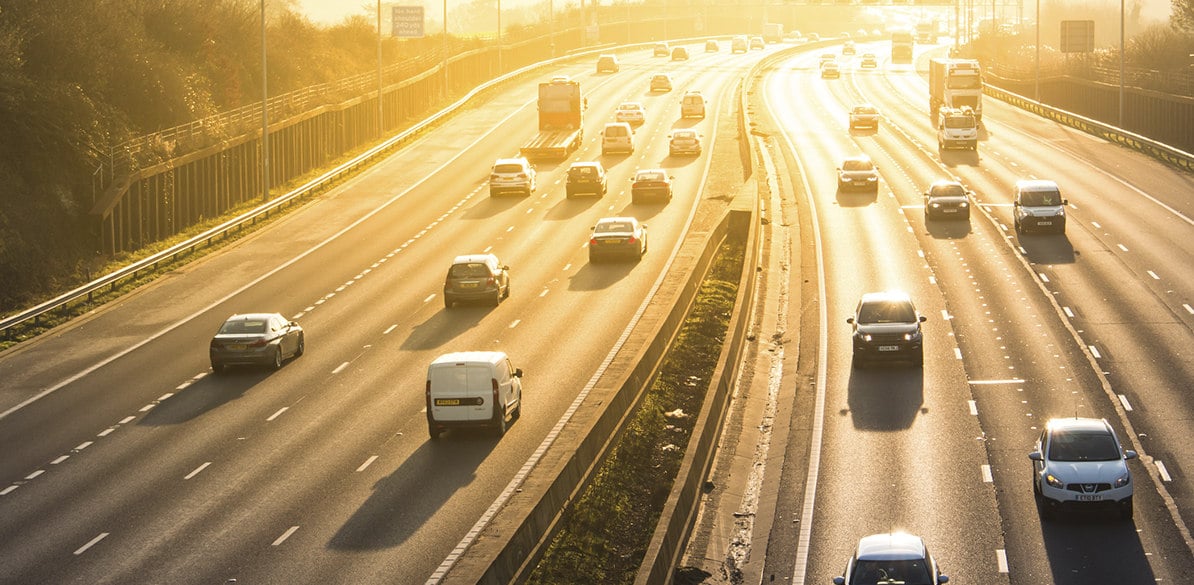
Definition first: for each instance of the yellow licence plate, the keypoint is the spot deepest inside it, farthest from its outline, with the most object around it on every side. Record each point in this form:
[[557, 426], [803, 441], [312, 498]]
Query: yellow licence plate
[[447, 402]]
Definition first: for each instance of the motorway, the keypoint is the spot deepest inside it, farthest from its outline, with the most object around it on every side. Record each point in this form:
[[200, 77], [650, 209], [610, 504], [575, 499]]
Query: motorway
[[126, 462], [1096, 322]]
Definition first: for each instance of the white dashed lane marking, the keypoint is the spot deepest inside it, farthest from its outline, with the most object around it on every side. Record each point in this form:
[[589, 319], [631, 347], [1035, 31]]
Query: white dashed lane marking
[[1154, 275], [389, 329], [1164, 472], [1001, 560], [277, 414], [1188, 308], [367, 463], [91, 543], [285, 535], [1095, 352], [197, 470], [973, 407], [986, 471], [1124, 401], [340, 368]]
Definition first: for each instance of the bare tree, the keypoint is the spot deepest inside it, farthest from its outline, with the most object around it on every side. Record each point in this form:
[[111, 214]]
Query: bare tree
[[1182, 17]]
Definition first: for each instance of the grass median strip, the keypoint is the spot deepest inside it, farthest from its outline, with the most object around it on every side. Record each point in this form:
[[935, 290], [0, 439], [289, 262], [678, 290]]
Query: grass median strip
[[604, 537]]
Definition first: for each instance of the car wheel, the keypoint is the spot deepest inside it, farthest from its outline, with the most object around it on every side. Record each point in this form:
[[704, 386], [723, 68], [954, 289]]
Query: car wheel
[[506, 294], [856, 362], [499, 428], [433, 431], [1125, 509], [302, 346], [592, 259], [277, 363], [919, 360], [517, 414], [497, 297], [448, 302], [218, 368]]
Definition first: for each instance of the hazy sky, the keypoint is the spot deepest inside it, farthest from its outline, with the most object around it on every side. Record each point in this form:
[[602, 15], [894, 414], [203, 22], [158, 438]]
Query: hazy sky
[[333, 11]]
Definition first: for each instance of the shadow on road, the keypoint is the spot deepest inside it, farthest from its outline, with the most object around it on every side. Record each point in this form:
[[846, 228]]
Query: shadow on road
[[446, 325], [1095, 548], [205, 395], [948, 229], [1048, 249], [885, 397]]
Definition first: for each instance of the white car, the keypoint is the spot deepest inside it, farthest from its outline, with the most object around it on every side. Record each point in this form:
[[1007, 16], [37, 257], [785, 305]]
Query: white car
[[631, 113], [515, 175], [1078, 463], [896, 557], [864, 116], [684, 141]]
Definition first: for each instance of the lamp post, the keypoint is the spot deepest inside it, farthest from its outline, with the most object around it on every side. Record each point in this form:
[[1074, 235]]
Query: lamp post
[[444, 48], [264, 115], [380, 109], [499, 35], [1122, 50], [1037, 85]]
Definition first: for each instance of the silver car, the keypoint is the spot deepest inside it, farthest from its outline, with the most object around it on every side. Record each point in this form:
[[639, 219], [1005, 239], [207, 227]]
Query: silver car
[[266, 339], [895, 557], [621, 237], [1078, 463]]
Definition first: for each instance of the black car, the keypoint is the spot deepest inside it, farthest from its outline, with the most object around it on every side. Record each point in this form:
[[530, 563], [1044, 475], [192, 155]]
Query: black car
[[653, 184], [887, 328], [586, 178], [947, 199], [476, 277], [858, 173], [265, 339]]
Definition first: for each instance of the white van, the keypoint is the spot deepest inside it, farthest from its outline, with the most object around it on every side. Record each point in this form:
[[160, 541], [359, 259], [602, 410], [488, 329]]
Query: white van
[[692, 105], [617, 137], [472, 389]]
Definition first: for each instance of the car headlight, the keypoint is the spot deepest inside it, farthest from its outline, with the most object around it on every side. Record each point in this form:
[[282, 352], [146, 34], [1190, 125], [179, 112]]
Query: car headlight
[[934, 205], [1123, 480], [1053, 480], [872, 178], [866, 337], [964, 205], [845, 179]]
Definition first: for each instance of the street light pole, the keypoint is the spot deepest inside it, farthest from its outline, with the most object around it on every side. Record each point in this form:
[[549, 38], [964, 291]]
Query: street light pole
[[264, 115], [499, 33], [1123, 49], [380, 109], [1037, 86], [444, 48]]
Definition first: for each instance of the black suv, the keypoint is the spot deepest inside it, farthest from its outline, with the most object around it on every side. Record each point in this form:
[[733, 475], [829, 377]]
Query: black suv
[[887, 328], [586, 177], [476, 277]]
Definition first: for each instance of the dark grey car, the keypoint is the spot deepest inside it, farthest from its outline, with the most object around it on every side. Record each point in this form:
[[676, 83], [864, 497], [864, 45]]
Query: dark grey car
[[947, 199], [476, 277], [887, 328], [265, 339]]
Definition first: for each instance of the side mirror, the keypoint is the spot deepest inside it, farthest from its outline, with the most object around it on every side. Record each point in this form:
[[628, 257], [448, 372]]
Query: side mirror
[[504, 267], [839, 581], [1015, 203], [850, 320], [1129, 454], [942, 579], [517, 372], [293, 324], [1036, 456], [923, 318], [1065, 201], [644, 226]]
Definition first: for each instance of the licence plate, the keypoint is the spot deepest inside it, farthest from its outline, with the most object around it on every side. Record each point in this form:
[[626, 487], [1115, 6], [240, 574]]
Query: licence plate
[[468, 285], [1044, 223], [447, 402], [889, 348], [612, 241], [1089, 497], [235, 346], [949, 211]]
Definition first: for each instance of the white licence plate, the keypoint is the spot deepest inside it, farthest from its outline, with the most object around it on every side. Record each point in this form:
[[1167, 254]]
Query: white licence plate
[[612, 241], [889, 348], [468, 285], [1044, 223], [949, 211], [1089, 498]]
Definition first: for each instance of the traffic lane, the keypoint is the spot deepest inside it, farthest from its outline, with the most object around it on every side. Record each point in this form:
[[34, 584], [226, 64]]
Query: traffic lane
[[995, 250], [874, 413]]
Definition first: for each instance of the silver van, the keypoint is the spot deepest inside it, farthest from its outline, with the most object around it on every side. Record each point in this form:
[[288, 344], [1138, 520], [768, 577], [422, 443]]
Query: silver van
[[617, 137], [472, 389], [692, 105], [1038, 205]]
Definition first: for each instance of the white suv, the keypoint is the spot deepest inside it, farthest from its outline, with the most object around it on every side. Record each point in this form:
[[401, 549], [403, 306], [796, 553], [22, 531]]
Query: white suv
[[512, 175], [1078, 463]]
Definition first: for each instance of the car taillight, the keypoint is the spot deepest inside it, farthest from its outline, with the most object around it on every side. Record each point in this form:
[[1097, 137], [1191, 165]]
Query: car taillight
[[493, 177], [522, 175], [427, 395], [496, 402], [631, 239], [490, 281], [592, 242], [259, 343]]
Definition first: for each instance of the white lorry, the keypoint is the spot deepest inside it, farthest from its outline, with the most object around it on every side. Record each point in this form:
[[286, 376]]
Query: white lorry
[[955, 83]]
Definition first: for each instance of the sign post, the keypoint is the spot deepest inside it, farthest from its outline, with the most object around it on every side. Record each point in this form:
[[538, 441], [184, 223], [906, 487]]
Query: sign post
[[408, 22]]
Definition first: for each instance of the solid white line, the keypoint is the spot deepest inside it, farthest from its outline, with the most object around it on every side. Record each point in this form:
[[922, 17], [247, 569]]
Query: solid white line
[[9, 490], [197, 470], [973, 407], [958, 352], [35, 474], [83, 445], [1001, 559], [1124, 401], [986, 471], [1154, 275], [60, 459], [1164, 472], [1095, 352], [340, 368], [285, 535], [389, 329], [367, 463], [277, 414], [1068, 312], [95, 540]]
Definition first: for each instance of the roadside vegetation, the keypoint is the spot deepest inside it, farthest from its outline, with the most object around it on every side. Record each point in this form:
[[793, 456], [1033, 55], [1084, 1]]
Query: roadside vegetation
[[605, 535]]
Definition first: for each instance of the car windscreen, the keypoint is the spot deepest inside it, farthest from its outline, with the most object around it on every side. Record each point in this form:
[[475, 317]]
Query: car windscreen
[[470, 270], [613, 227], [904, 572], [960, 122], [684, 135], [244, 327], [648, 177], [1082, 446], [582, 172], [948, 191], [886, 312], [508, 168], [1040, 198], [863, 110], [857, 165]]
